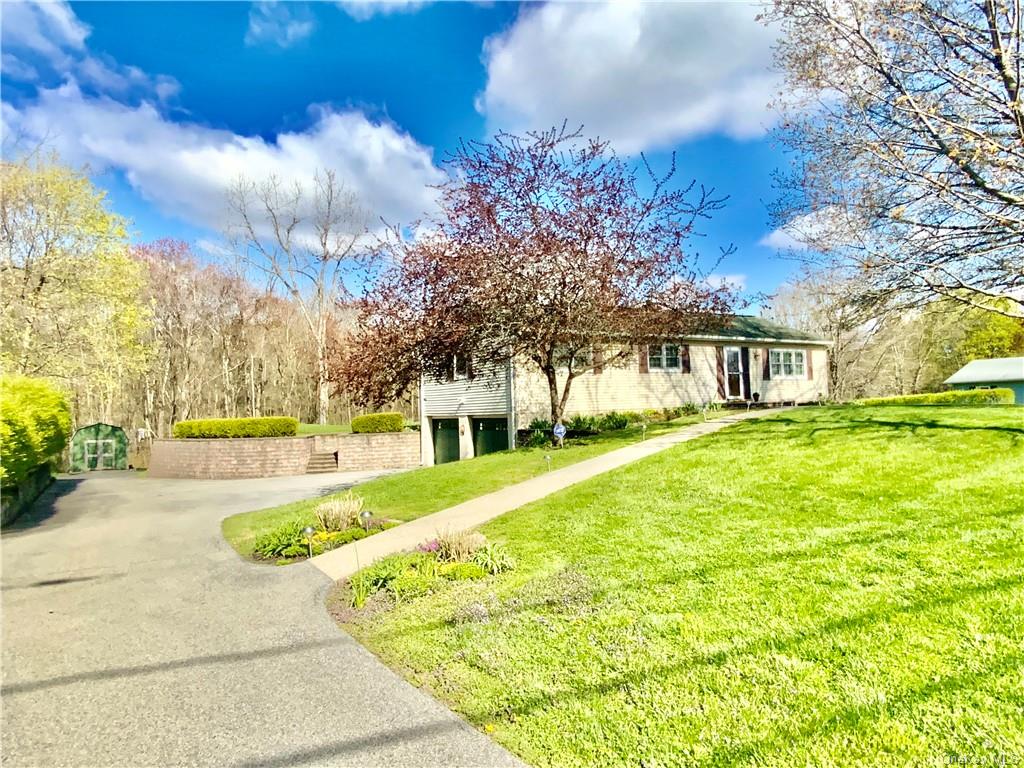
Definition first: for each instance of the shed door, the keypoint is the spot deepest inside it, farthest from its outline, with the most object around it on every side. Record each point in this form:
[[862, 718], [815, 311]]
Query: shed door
[[489, 436], [99, 454], [446, 440]]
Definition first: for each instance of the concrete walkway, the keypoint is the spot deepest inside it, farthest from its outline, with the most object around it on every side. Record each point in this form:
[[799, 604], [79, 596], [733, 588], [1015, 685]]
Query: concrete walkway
[[133, 635], [342, 562]]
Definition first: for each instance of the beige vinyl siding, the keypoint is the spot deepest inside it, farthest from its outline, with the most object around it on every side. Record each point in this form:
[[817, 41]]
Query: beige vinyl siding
[[796, 390], [625, 388], [486, 394], [620, 388]]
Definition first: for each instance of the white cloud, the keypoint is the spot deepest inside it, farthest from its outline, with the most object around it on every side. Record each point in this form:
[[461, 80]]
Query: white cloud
[[184, 168], [47, 39], [16, 69], [278, 23], [782, 240], [812, 231], [111, 78], [640, 74], [49, 29], [735, 281], [361, 10]]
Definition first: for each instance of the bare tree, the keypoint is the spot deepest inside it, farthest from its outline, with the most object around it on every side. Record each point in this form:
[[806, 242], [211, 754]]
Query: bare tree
[[822, 302], [306, 241], [907, 119]]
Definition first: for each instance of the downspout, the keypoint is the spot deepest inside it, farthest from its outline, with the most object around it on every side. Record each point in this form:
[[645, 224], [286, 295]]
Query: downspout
[[512, 425]]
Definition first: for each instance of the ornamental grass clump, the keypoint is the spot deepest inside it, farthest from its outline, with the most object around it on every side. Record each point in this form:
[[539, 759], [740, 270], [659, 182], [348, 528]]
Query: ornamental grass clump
[[458, 546], [339, 513]]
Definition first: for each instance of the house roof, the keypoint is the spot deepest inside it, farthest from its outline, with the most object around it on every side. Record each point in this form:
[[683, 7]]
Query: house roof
[[751, 328], [985, 371]]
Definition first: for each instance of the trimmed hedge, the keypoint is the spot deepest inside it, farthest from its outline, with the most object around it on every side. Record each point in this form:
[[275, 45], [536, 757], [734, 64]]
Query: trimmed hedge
[[261, 426], [953, 397], [378, 422], [35, 422]]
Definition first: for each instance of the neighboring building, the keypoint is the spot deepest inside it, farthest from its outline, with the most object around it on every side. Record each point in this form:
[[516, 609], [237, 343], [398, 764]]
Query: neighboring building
[[997, 373], [99, 446], [752, 359]]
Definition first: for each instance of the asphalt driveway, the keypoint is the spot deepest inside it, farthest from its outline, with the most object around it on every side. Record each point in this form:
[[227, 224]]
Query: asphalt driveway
[[133, 635]]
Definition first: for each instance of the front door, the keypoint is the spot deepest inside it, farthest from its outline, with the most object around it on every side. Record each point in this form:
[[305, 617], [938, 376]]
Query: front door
[[99, 454], [734, 374]]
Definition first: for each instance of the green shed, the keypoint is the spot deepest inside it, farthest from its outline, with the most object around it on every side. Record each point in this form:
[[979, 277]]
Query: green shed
[[994, 373], [99, 446]]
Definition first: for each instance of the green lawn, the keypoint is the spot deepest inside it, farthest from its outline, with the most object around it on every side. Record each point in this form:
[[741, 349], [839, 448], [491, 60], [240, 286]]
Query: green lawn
[[419, 492], [324, 429], [826, 587]]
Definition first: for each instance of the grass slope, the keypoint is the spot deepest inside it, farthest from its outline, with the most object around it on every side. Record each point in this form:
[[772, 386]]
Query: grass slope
[[835, 587], [418, 492], [324, 429]]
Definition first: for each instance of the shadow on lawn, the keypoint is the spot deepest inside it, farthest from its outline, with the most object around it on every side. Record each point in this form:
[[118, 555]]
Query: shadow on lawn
[[812, 426], [850, 717], [831, 548], [762, 644]]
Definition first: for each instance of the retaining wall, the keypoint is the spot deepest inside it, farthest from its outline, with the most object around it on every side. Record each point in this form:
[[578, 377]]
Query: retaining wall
[[384, 450], [15, 501], [239, 458]]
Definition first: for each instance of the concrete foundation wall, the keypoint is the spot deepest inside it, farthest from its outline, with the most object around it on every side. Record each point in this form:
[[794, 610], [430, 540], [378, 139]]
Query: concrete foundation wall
[[239, 458]]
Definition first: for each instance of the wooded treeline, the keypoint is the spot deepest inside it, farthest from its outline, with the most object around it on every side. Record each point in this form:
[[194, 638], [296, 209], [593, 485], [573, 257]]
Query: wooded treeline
[[143, 336], [877, 351]]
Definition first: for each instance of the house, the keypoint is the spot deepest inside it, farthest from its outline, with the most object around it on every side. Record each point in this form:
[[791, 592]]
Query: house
[[752, 359], [994, 373]]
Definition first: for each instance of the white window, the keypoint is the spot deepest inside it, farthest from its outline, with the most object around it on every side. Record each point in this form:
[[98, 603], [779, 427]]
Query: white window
[[664, 357], [460, 368], [787, 364]]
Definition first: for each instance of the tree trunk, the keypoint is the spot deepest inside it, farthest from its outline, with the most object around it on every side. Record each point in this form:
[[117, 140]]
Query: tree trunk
[[323, 392], [556, 402]]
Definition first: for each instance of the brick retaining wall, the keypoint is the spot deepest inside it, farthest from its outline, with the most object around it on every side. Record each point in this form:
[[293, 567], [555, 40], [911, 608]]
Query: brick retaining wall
[[384, 450], [211, 459]]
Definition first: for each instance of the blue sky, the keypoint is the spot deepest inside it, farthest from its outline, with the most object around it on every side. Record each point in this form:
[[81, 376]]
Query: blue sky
[[169, 102]]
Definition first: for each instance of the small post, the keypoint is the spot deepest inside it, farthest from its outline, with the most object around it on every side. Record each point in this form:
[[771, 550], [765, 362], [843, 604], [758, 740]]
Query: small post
[[643, 431], [364, 518], [547, 458], [308, 531]]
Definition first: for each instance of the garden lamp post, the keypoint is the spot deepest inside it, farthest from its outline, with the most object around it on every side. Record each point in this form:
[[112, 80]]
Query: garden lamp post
[[364, 518], [308, 531]]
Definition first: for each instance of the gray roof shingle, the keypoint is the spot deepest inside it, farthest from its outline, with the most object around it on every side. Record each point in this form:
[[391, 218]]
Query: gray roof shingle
[[986, 371]]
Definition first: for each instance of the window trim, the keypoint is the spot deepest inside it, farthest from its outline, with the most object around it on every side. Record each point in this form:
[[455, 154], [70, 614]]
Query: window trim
[[456, 374], [662, 357], [777, 365]]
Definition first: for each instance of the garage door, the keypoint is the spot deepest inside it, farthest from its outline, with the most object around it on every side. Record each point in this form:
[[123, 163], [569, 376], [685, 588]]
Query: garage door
[[489, 435], [446, 440]]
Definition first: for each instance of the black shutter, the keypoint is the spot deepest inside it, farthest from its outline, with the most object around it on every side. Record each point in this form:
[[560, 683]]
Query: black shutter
[[720, 366], [642, 352], [745, 365], [684, 358], [766, 366]]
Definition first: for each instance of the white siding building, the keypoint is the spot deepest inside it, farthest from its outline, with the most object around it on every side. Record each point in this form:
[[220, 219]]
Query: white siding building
[[751, 360]]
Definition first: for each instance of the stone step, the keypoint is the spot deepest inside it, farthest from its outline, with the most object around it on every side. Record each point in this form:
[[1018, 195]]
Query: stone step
[[321, 462]]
